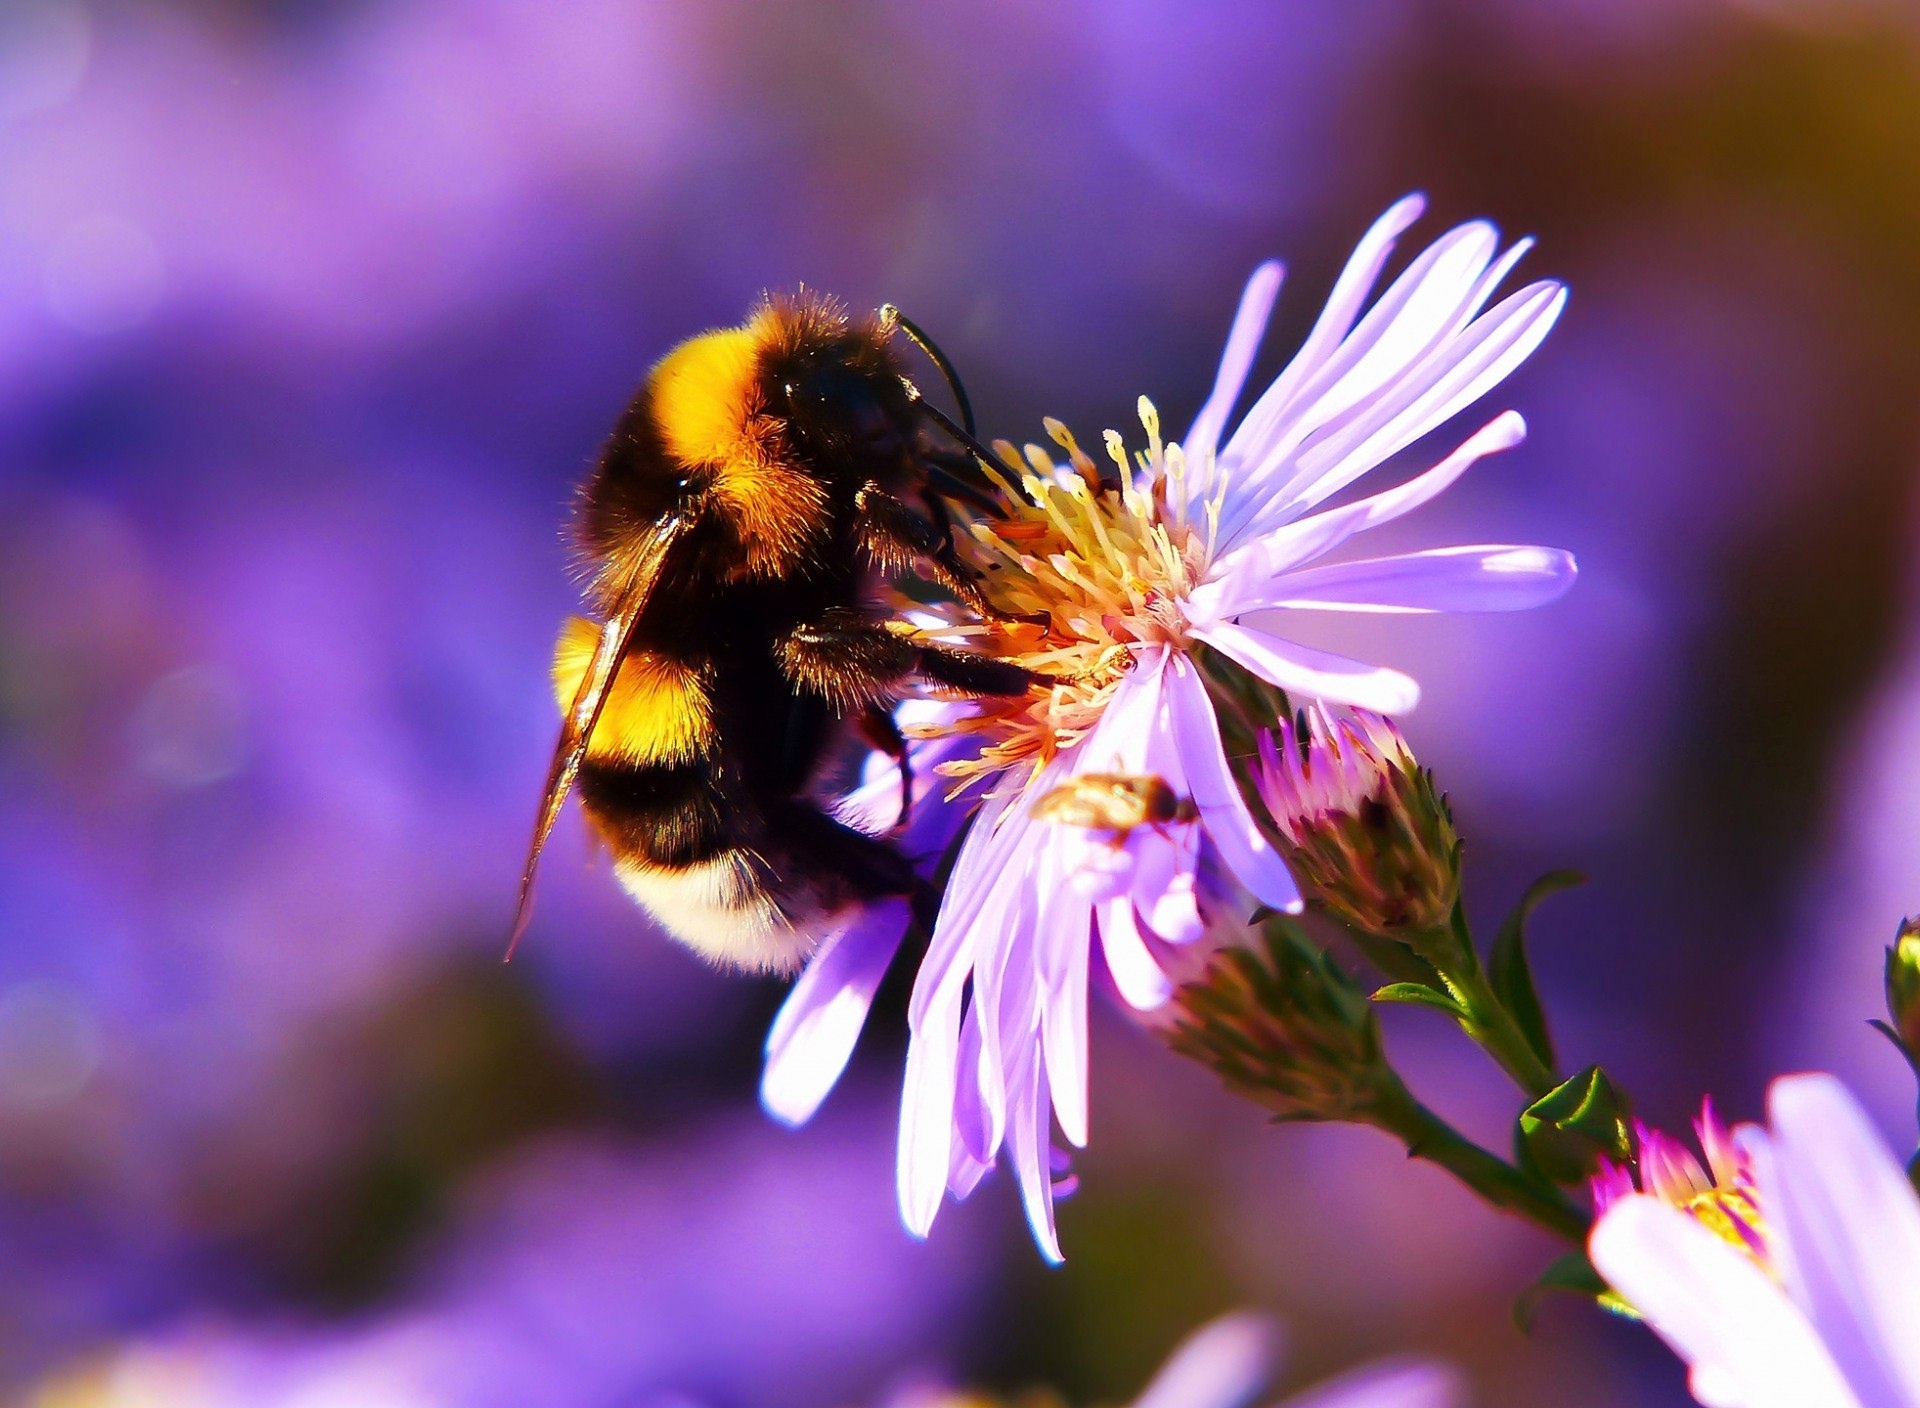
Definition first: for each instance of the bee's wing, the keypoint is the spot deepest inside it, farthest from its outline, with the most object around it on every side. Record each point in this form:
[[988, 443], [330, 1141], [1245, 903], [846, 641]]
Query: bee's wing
[[615, 637]]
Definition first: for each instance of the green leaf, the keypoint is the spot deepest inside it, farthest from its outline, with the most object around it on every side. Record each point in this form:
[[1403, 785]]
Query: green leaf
[[1507, 966], [1419, 995], [1392, 958], [1568, 1130], [1572, 1274]]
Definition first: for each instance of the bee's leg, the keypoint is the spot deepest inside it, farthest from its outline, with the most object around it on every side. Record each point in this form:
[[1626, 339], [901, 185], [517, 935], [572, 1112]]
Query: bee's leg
[[849, 658], [880, 729], [896, 537]]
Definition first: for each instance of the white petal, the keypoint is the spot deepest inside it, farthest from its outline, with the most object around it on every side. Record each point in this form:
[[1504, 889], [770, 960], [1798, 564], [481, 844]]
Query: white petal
[[1390, 1384], [813, 1037], [1844, 1206], [1478, 578], [1249, 325], [1189, 719], [1241, 580], [1317, 674], [1222, 1365], [1747, 1344]]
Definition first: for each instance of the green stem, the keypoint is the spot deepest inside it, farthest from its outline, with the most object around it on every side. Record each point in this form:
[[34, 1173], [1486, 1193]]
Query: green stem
[[1429, 1137], [1488, 1022]]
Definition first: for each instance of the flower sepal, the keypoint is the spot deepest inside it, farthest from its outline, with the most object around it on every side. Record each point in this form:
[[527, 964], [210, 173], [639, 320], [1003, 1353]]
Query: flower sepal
[[1281, 1023], [1569, 1130]]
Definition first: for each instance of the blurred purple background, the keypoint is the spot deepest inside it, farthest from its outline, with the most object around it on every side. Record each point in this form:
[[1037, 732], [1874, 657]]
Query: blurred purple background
[[310, 317]]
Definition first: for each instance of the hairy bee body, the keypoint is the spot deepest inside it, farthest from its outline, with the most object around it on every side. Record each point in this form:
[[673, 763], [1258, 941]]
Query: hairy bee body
[[736, 531]]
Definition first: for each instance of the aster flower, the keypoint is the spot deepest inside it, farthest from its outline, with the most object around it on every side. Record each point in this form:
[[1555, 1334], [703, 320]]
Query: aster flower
[[1822, 1310], [1112, 585], [1718, 1194]]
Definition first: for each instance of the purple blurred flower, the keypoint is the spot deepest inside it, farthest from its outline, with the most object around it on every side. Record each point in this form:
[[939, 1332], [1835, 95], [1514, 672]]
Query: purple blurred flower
[[1828, 1319], [1201, 543], [1228, 1363], [589, 1272]]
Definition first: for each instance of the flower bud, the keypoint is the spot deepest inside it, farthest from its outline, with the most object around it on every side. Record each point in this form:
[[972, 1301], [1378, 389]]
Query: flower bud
[[1363, 828], [1903, 986], [1280, 1023]]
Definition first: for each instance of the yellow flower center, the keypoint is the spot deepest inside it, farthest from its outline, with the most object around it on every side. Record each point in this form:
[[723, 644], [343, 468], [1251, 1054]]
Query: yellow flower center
[[1732, 1214], [1081, 570]]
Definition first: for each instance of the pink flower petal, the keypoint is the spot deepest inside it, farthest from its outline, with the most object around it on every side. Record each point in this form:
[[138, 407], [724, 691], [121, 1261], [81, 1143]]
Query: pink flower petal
[[1841, 1201], [814, 1035], [1229, 825], [1478, 578], [1745, 1341], [1318, 674]]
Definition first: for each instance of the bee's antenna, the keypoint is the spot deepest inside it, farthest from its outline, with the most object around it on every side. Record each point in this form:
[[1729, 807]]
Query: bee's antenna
[[890, 315]]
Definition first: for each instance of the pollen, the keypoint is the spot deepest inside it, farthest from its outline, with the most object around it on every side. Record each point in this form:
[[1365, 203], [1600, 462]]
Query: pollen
[[1084, 567]]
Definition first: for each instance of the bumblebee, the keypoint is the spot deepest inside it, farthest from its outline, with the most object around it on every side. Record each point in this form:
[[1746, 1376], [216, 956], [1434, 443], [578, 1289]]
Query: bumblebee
[[742, 519]]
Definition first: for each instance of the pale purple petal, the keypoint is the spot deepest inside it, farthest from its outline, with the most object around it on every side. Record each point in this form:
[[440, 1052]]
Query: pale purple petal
[[1006, 992], [1449, 381], [813, 1037], [1064, 944], [1030, 1145], [1229, 825], [1336, 319], [1319, 674], [1746, 1343], [926, 1111], [1222, 1365], [1389, 1384], [1165, 884], [1842, 1202], [996, 837], [1422, 308], [1242, 579], [1483, 577], [1142, 984], [971, 1155], [1249, 325]]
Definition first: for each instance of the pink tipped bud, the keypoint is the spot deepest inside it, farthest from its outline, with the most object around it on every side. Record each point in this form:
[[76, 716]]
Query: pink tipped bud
[[1364, 829]]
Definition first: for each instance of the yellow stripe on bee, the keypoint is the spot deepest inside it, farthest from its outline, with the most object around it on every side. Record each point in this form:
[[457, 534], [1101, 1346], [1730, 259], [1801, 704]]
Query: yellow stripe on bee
[[656, 712], [708, 404], [705, 398]]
